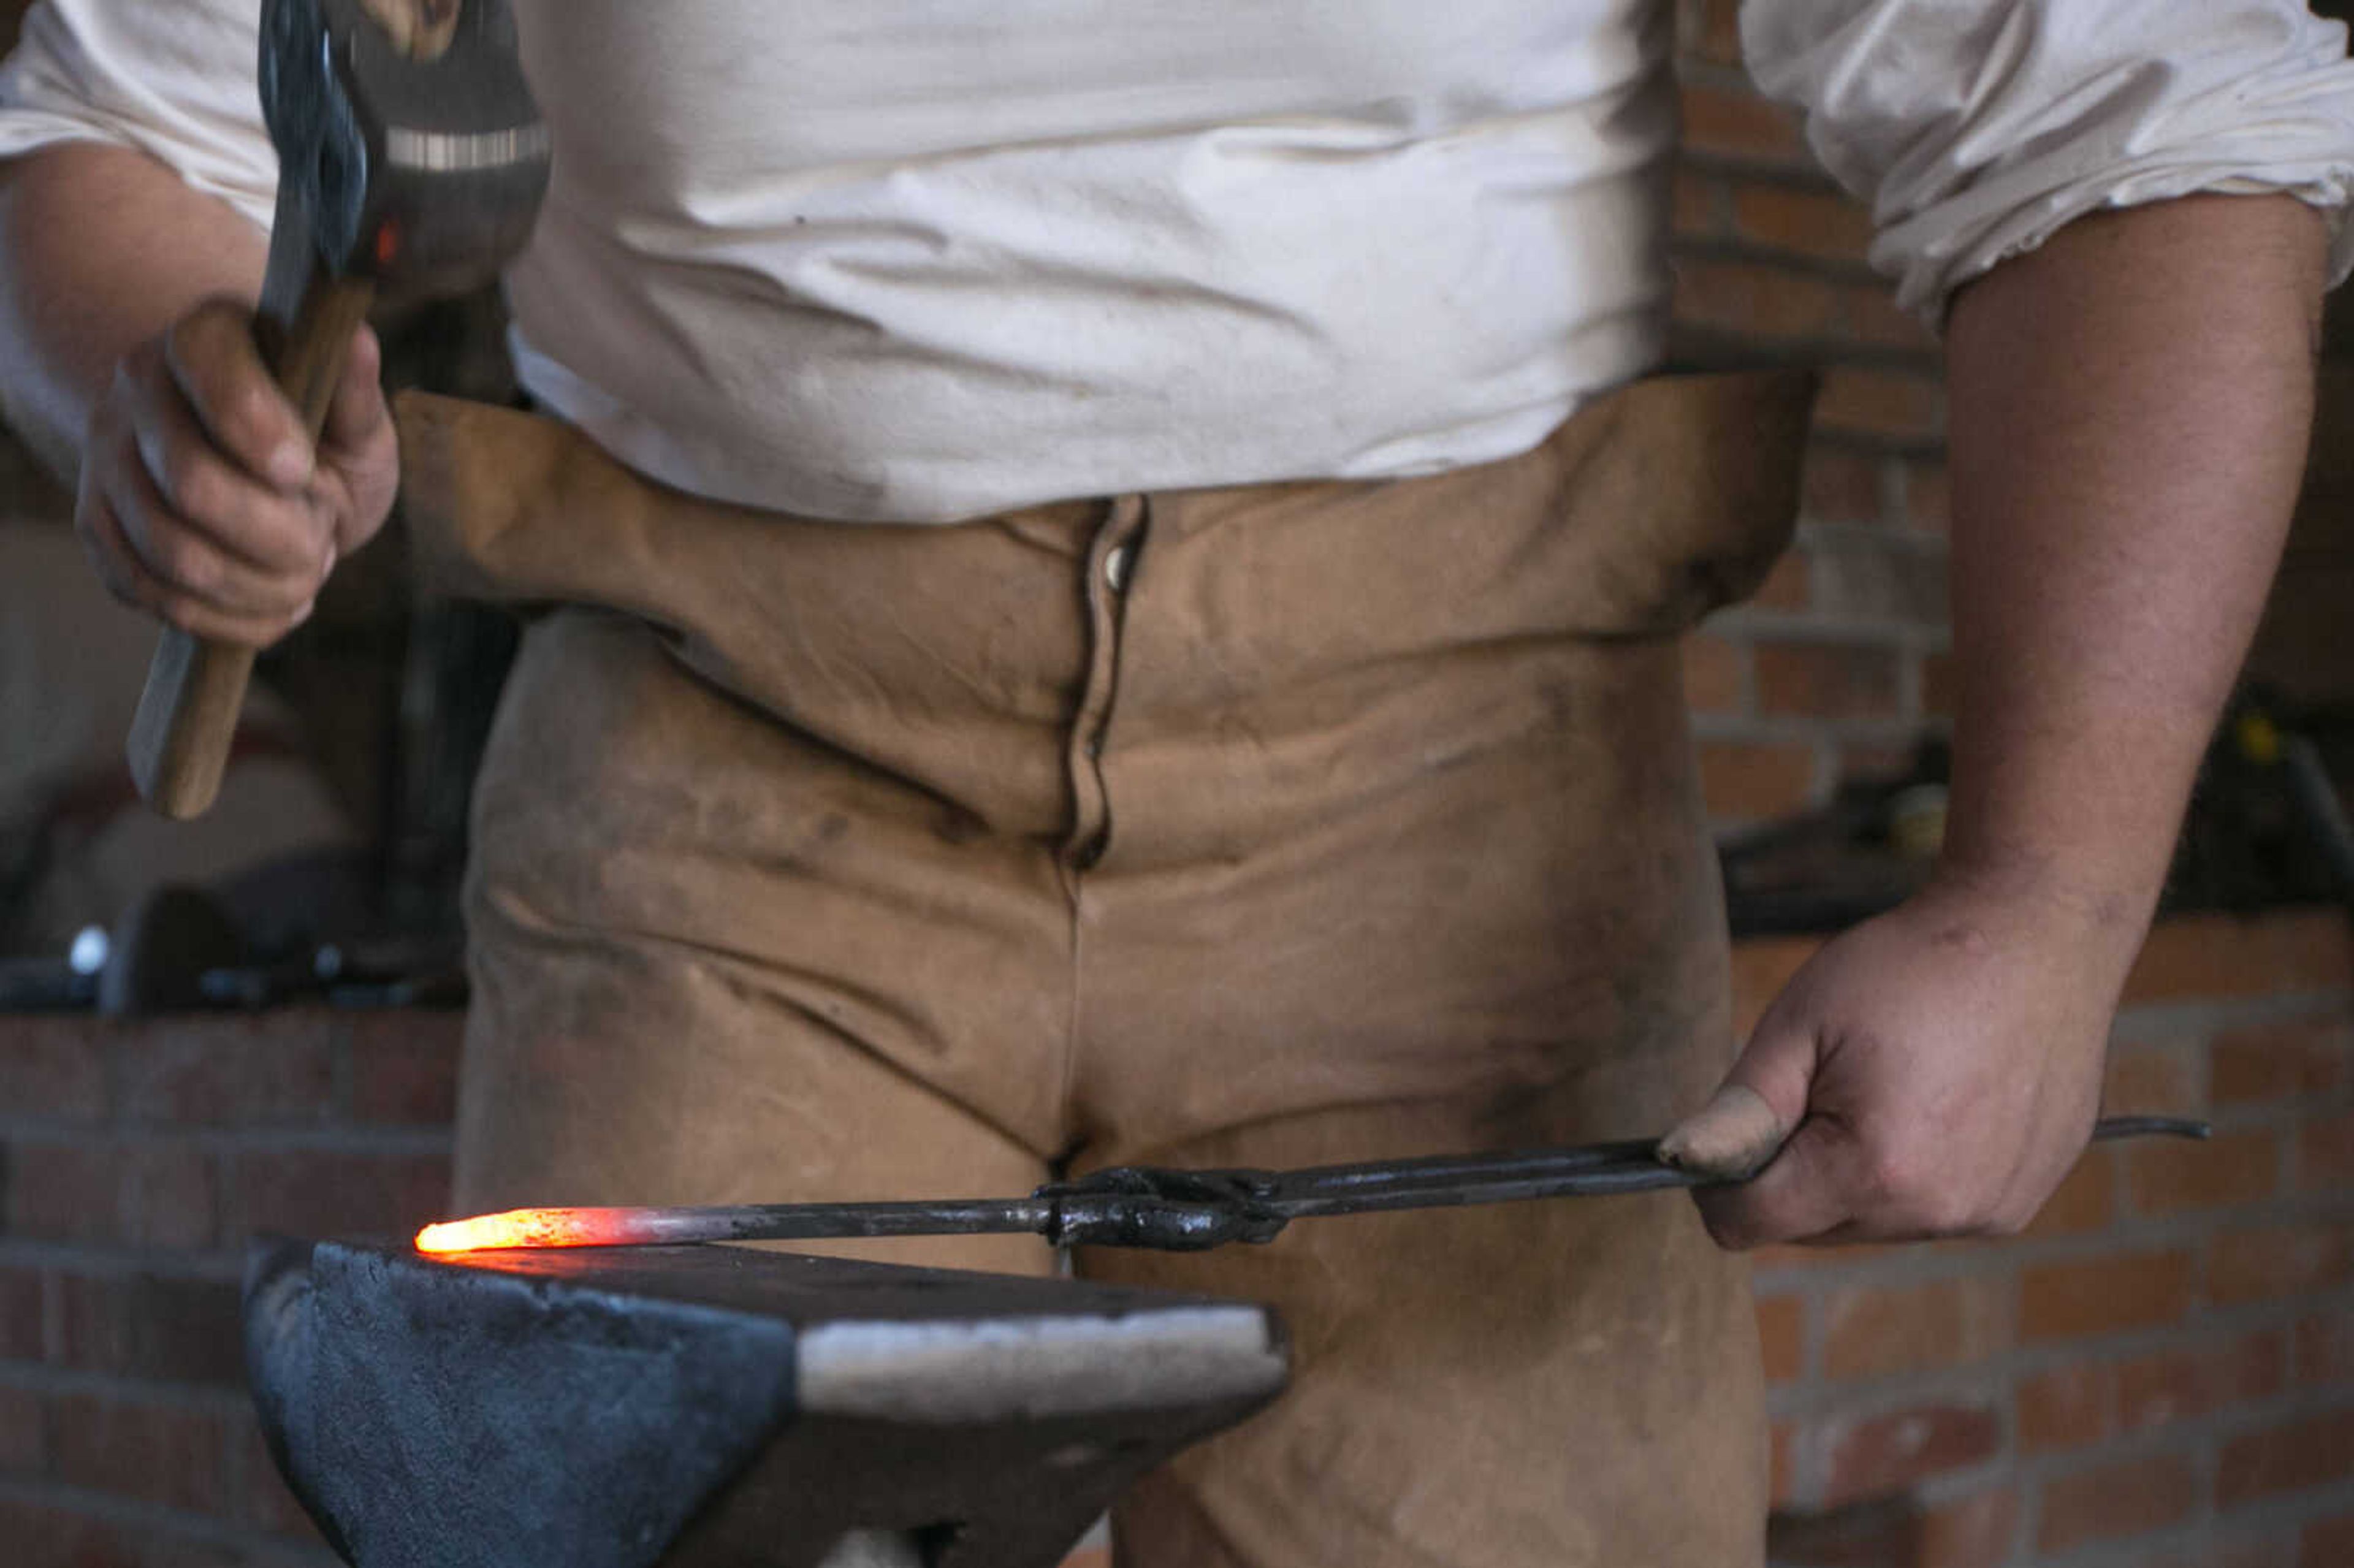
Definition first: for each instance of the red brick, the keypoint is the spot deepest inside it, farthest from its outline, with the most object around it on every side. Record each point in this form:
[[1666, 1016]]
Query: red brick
[[2139, 1291], [404, 1067], [1872, 318], [1826, 680], [1782, 1336], [1881, 1454], [317, 1192], [2278, 1261], [2295, 1455], [2224, 955], [1716, 674], [2067, 1407], [156, 1453], [2160, 1390], [151, 1327], [2155, 1080], [1928, 497], [1880, 576], [42, 1536], [1787, 586], [24, 1432], [2327, 1543], [1737, 125], [241, 1070], [1841, 486], [1697, 202], [115, 1189], [1748, 780], [2325, 1155], [2117, 1501], [1753, 299], [1880, 403], [2085, 1202], [171, 1199], [20, 1314], [62, 1191], [1809, 222], [1878, 1332], [1972, 1532], [51, 1070], [1713, 32], [1761, 968], [2325, 1349], [2301, 1059], [1782, 1448], [2233, 1170]]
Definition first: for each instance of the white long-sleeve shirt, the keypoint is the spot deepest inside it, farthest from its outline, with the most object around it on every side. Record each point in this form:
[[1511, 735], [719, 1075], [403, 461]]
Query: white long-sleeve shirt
[[924, 260]]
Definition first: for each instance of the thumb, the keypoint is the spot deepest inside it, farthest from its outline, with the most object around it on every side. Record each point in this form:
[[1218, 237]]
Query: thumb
[[1753, 1113], [1730, 1138]]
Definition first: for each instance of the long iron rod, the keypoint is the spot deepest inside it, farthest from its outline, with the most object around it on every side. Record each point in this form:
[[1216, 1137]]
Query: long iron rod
[[1146, 1207]]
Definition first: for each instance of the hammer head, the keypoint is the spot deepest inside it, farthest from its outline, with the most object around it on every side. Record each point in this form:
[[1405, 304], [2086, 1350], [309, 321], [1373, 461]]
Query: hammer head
[[423, 176]]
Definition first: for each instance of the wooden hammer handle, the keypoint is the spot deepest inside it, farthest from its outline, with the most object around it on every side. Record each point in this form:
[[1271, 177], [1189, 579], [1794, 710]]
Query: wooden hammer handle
[[186, 722]]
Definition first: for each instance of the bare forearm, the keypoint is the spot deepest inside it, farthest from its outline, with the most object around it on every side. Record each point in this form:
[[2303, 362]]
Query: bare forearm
[[2130, 412], [2130, 409], [100, 249]]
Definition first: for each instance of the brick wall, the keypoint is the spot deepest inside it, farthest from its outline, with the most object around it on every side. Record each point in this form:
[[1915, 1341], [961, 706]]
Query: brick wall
[[2161, 1373], [133, 1163], [1836, 667]]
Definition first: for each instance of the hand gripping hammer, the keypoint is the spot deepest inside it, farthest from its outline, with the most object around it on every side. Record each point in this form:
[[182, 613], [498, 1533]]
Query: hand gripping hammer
[[411, 160]]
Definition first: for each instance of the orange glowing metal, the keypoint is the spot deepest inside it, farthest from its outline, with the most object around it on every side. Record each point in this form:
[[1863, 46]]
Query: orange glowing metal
[[531, 1228]]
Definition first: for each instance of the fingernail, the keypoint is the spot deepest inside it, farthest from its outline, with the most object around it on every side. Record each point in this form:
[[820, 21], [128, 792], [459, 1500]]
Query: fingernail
[[1731, 1139]]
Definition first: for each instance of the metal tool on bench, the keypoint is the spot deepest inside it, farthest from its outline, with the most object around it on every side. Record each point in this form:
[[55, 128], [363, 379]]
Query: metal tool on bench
[[1145, 1206], [411, 161], [724, 1407]]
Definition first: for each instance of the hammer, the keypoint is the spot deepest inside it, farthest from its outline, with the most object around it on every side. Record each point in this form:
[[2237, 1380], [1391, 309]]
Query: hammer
[[411, 160]]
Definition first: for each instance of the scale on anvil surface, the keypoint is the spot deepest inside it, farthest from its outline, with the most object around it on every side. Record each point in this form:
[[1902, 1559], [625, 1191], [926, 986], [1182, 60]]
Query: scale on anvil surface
[[724, 1407]]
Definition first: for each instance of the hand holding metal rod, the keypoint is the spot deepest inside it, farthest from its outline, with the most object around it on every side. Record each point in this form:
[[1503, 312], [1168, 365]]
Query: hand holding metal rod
[[1145, 1206]]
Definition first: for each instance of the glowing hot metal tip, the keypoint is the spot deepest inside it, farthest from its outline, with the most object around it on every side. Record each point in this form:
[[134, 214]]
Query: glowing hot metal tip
[[529, 1228]]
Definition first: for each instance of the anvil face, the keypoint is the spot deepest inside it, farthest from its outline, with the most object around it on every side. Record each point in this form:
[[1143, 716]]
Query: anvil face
[[709, 1406]]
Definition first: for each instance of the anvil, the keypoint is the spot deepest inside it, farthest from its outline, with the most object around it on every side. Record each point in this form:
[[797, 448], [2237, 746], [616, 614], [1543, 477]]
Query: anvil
[[724, 1407]]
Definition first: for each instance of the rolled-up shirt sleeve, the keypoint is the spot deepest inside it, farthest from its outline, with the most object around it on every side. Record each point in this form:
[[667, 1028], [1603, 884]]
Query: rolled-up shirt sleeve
[[173, 79], [1975, 129]]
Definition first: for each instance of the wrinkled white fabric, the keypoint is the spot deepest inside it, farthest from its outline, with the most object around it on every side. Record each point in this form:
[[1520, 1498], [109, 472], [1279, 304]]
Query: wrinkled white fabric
[[921, 259], [1977, 128]]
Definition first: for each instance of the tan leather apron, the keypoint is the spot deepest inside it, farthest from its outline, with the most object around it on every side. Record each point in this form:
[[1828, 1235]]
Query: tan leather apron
[[1262, 826]]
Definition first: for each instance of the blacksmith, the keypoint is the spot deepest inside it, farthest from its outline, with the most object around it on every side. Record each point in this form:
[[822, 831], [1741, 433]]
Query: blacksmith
[[1109, 580]]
